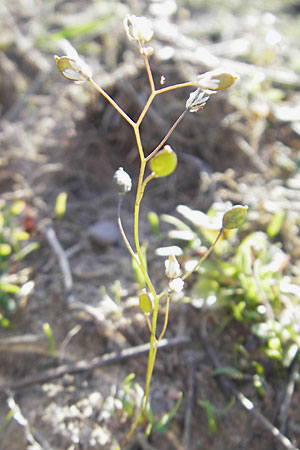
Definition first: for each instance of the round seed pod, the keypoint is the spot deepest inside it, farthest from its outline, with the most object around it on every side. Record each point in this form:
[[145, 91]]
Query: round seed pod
[[164, 162], [235, 217]]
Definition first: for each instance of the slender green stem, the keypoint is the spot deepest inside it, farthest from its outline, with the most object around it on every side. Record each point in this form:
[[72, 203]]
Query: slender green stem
[[123, 234], [164, 140], [176, 86], [152, 353], [204, 256], [112, 102], [139, 144], [146, 107], [166, 319], [139, 195], [149, 323], [148, 68], [145, 182], [134, 425]]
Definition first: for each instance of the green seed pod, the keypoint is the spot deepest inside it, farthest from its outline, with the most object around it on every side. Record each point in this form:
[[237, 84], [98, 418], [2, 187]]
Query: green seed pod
[[217, 80], [145, 303], [235, 217], [164, 162], [73, 69]]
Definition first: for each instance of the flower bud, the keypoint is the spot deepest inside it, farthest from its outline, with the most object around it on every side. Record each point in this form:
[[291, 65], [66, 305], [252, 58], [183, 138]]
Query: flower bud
[[197, 100], [176, 285], [122, 181], [138, 28], [216, 80], [172, 267], [73, 69]]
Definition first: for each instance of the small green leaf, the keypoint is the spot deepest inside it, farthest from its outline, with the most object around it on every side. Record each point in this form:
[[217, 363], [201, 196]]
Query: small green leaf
[[145, 303], [275, 224], [32, 246], [263, 330], [84, 29], [128, 406], [273, 354], [9, 288], [258, 384], [7, 419], [164, 162], [238, 309], [210, 414], [235, 217], [274, 343], [21, 235], [5, 323], [129, 379], [61, 204], [161, 426], [8, 303], [17, 207], [5, 249], [51, 342], [153, 220], [289, 354], [230, 372]]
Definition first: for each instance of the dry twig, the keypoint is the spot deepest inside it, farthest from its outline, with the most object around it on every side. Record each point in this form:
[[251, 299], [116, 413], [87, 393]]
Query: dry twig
[[190, 404], [90, 364], [289, 391], [62, 261], [35, 442]]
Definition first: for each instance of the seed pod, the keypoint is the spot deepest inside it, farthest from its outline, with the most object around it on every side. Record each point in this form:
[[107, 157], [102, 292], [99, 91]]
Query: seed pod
[[217, 80], [74, 69], [235, 217], [145, 303], [164, 162]]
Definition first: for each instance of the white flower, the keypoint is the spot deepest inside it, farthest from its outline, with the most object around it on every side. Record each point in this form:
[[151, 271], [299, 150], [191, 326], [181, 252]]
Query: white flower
[[138, 28], [172, 267], [197, 100], [176, 285], [122, 181]]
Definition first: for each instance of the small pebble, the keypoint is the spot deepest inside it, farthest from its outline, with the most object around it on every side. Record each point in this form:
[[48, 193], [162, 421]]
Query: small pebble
[[104, 233]]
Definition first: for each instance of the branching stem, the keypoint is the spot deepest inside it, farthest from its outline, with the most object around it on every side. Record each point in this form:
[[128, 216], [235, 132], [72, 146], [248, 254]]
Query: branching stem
[[137, 256]]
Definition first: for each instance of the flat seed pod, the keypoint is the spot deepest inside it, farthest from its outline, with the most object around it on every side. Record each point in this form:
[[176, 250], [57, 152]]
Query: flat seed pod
[[235, 217], [164, 162], [145, 303]]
